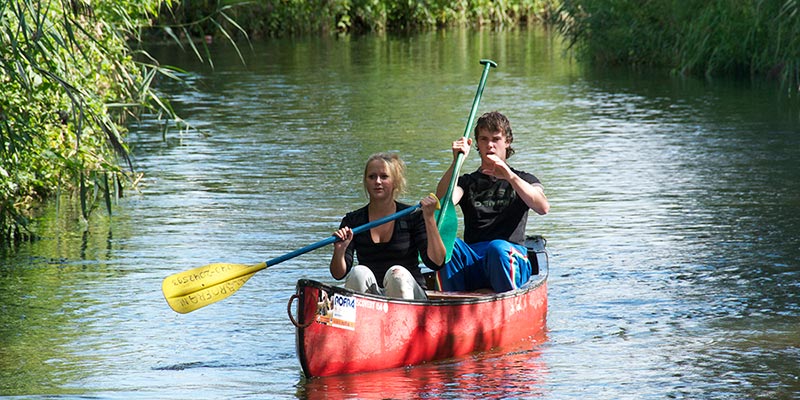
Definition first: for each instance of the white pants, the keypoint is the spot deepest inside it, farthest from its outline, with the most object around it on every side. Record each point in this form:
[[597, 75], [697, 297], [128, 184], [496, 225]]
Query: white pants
[[398, 282]]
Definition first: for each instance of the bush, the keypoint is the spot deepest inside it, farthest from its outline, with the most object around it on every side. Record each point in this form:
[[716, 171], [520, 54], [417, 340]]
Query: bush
[[293, 17], [69, 81]]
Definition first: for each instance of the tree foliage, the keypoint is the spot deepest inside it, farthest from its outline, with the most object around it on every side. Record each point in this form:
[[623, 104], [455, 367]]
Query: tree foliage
[[70, 79], [69, 82], [291, 17]]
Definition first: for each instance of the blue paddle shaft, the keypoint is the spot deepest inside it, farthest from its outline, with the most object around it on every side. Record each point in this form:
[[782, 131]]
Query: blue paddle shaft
[[334, 238]]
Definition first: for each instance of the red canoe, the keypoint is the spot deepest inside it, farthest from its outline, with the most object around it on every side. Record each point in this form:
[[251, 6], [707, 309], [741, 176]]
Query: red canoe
[[343, 332]]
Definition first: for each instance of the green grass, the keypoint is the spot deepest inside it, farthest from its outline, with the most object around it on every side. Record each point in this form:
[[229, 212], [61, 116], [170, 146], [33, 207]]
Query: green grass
[[751, 38]]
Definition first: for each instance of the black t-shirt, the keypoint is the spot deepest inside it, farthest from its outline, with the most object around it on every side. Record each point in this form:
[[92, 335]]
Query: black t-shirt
[[492, 209], [409, 244]]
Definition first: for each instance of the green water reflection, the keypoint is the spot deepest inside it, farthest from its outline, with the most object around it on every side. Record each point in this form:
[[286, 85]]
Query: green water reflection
[[47, 302], [674, 227]]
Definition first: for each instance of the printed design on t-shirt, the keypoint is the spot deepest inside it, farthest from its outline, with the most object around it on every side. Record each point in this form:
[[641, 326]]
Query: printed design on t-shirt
[[491, 197]]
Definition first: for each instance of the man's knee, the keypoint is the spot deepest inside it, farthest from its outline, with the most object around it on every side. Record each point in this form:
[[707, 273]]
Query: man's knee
[[498, 248]]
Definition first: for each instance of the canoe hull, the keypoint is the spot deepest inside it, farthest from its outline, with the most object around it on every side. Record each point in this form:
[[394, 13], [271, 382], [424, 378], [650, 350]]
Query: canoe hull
[[344, 332]]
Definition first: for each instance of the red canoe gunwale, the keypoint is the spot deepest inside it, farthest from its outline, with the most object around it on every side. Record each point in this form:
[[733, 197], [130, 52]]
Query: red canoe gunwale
[[339, 331]]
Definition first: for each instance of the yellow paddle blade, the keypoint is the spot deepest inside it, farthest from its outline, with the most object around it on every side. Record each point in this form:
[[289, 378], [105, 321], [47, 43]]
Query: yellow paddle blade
[[187, 291]]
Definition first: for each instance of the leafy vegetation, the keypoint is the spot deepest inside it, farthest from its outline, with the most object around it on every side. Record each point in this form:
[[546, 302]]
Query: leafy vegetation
[[759, 38], [289, 17], [69, 82], [71, 79]]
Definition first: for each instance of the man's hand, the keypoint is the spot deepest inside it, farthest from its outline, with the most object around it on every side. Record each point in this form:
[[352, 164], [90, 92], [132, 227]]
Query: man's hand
[[462, 146], [493, 165]]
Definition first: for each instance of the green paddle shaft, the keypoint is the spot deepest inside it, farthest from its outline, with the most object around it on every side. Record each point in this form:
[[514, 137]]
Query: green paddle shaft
[[446, 219], [448, 198]]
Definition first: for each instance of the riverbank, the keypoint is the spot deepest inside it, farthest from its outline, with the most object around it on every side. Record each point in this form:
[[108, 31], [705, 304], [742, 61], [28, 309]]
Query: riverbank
[[749, 39], [70, 83], [71, 87]]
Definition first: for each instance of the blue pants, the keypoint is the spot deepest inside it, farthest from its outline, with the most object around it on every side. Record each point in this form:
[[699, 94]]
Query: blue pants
[[498, 265]]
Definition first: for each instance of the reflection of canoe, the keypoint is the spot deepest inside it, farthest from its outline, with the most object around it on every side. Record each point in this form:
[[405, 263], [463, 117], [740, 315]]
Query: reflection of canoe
[[508, 373], [343, 332]]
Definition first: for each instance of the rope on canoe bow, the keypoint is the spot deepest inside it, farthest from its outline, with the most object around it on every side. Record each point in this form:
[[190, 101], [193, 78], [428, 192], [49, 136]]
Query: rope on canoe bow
[[291, 317]]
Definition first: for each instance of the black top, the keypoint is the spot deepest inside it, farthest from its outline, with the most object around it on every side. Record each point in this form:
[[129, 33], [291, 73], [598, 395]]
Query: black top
[[409, 244], [492, 209]]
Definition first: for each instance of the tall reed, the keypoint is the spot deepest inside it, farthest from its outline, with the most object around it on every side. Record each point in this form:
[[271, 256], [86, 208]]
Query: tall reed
[[757, 38], [69, 81]]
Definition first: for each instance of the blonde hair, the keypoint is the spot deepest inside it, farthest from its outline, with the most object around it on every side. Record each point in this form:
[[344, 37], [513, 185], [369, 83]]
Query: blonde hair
[[397, 171]]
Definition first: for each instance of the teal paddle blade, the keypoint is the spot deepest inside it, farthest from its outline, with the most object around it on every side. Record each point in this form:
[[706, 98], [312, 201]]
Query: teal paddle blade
[[447, 222]]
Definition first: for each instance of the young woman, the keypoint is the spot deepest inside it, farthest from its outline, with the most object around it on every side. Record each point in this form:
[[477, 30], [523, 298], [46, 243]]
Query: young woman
[[391, 251]]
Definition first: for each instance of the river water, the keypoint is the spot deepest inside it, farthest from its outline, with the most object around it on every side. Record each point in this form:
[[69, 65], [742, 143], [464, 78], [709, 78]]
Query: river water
[[674, 230]]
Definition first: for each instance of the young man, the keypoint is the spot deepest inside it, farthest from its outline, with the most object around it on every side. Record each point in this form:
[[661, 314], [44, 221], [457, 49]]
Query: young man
[[495, 201]]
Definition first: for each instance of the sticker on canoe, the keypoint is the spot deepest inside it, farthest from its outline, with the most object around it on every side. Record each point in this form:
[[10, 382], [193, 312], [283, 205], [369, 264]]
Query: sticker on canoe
[[342, 314]]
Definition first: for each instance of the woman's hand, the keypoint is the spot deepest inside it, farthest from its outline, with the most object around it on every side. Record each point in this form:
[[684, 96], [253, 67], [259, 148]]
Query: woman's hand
[[346, 236], [338, 266], [429, 205], [436, 249]]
